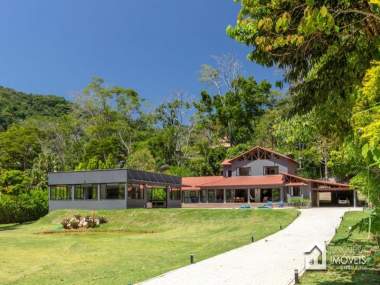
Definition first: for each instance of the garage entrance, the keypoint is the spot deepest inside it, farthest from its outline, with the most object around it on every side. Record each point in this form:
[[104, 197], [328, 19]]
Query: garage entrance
[[333, 198]]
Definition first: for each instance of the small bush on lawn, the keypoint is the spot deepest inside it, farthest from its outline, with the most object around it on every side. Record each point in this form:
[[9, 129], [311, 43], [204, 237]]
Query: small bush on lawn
[[77, 222], [25, 207], [299, 202]]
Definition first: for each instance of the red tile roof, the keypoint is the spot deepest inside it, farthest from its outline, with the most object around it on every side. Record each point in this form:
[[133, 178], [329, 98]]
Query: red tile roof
[[318, 181], [196, 183], [235, 181]]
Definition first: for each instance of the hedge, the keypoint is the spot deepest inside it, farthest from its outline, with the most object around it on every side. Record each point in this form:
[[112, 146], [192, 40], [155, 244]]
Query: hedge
[[24, 207]]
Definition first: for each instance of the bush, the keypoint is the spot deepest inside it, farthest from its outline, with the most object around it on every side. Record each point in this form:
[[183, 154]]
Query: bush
[[24, 207], [299, 202], [103, 220], [77, 221]]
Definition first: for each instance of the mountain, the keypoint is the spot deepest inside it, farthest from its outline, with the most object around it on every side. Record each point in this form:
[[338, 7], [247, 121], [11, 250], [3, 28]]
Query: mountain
[[17, 106]]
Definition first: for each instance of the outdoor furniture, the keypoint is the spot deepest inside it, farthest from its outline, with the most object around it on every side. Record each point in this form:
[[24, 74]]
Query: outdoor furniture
[[267, 205], [245, 206], [239, 200]]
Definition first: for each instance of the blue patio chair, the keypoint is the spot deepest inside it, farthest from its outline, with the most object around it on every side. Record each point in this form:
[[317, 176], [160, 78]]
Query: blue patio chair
[[245, 206]]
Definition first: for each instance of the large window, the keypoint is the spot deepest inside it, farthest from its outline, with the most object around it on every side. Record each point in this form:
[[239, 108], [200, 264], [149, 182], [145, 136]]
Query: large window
[[276, 195], [112, 191], [230, 193], [244, 171], [136, 191], [175, 194], [86, 192], [296, 191], [211, 196], [219, 194], [60, 192], [190, 196], [203, 194], [270, 170]]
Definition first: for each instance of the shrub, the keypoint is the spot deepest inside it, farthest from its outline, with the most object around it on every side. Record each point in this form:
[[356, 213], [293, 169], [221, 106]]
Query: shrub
[[299, 202], [103, 220], [25, 207], [66, 223], [74, 223]]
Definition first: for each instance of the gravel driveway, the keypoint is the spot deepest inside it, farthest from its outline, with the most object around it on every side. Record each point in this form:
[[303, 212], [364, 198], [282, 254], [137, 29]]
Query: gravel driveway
[[265, 262]]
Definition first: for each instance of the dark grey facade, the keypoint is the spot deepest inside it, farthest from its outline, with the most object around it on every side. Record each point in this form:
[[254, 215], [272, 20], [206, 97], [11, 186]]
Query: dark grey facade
[[113, 189]]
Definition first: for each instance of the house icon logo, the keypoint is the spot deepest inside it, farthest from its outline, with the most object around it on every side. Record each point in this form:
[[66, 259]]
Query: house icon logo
[[315, 259]]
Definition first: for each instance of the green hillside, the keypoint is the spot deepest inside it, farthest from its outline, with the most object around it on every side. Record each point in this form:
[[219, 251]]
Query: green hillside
[[16, 106]]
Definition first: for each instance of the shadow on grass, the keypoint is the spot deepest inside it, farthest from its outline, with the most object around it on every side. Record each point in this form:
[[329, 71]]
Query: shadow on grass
[[12, 227], [362, 225]]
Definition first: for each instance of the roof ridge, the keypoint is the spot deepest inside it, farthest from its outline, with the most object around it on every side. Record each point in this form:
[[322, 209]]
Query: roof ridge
[[226, 161]]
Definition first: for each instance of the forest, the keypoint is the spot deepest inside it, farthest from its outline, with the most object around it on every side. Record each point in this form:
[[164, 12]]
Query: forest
[[325, 112]]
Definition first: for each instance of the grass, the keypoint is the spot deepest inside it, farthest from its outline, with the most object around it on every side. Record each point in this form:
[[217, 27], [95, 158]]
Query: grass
[[350, 243], [133, 246]]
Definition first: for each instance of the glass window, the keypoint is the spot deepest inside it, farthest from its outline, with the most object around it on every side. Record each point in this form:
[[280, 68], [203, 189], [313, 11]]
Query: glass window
[[219, 194], [136, 191], [175, 194], [211, 196], [296, 191], [86, 192], [60, 192], [244, 171], [112, 191], [190, 196], [230, 196], [270, 170], [203, 194], [276, 195]]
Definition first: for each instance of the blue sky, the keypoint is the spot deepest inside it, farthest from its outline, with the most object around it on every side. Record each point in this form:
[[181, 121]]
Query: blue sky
[[153, 46]]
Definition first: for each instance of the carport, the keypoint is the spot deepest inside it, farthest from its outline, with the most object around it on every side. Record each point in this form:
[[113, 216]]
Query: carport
[[326, 193]]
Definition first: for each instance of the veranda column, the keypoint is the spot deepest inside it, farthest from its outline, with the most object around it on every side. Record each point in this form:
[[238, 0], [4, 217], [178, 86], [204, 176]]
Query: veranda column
[[224, 196], [247, 195], [354, 198], [72, 192], [98, 191], [282, 194]]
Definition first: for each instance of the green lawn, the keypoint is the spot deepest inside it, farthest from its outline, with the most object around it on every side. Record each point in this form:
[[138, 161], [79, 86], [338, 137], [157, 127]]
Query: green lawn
[[343, 243], [133, 246]]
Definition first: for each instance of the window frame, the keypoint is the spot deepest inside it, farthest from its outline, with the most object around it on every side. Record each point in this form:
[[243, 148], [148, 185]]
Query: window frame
[[245, 168], [66, 197], [265, 172], [103, 191]]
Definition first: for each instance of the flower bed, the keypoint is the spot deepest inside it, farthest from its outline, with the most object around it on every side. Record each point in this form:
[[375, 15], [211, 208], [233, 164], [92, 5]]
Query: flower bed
[[79, 222]]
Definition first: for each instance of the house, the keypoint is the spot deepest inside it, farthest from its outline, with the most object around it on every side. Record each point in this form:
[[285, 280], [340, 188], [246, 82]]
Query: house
[[113, 189], [260, 175]]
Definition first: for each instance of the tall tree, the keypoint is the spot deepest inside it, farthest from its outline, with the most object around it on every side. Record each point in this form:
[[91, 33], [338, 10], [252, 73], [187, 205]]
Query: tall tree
[[171, 142], [325, 47], [236, 111]]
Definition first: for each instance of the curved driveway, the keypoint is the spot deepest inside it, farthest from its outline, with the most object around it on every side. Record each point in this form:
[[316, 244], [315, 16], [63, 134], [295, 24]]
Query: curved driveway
[[268, 261]]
